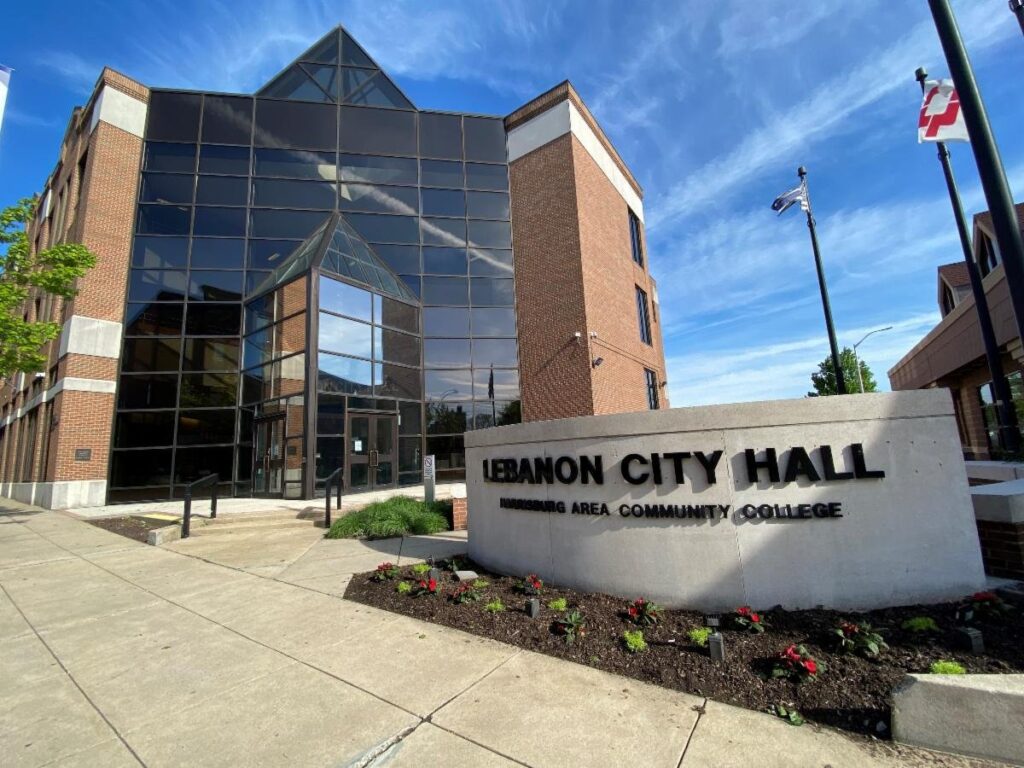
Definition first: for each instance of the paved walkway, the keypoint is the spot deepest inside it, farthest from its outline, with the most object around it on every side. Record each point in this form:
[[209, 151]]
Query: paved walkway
[[114, 653]]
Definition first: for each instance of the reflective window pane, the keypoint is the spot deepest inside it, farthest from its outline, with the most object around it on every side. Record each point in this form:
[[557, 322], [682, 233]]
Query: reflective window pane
[[450, 232], [487, 262], [295, 125], [230, 161], [493, 177], [374, 199], [338, 334], [177, 158], [279, 193], [153, 285], [206, 427], [506, 384], [487, 205], [378, 170], [219, 252], [213, 319], [195, 463], [445, 290], [296, 84], [151, 354], [489, 291], [268, 254], [330, 414], [378, 91], [409, 421], [210, 355], [160, 252], [380, 131], [398, 314], [447, 417], [401, 258], [497, 414], [153, 319], [449, 454], [487, 352], [490, 234], [224, 222], [147, 390], [444, 202], [445, 353], [284, 224], [344, 375], [448, 384], [294, 164], [345, 299], [166, 188], [445, 321], [173, 116], [227, 119], [409, 454], [413, 283], [222, 190], [206, 390], [441, 173], [376, 228], [163, 220], [137, 468], [352, 53], [485, 139], [354, 77], [494, 322], [398, 347], [396, 381], [440, 136], [209, 285], [143, 429], [330, 456], [444, 261]]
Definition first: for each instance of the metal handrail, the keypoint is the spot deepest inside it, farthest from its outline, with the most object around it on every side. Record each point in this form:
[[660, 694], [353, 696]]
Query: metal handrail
[[186, 520], [335, 475]]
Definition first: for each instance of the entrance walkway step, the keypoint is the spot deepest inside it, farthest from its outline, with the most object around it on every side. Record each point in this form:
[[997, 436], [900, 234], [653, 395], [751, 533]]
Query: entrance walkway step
[[250, 523]]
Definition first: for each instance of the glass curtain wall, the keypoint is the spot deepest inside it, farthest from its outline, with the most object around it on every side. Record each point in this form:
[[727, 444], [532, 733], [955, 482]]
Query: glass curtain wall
[[231, 186]]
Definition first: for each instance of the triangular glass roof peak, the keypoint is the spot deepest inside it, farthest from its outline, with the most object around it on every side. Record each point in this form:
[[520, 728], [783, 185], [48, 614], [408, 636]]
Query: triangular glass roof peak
[[338, 249], [336, 58]]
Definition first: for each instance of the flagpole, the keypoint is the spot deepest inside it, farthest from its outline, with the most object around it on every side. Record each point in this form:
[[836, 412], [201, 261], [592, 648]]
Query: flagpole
[[986, 155], [837, 363], [1008, 430]]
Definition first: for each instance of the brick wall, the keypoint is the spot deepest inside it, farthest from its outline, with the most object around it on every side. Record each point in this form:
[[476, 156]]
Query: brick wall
[[460, 514], [1002, 548]]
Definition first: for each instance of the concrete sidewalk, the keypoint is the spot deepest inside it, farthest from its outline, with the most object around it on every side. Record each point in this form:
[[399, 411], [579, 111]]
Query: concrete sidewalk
[[115, 653]]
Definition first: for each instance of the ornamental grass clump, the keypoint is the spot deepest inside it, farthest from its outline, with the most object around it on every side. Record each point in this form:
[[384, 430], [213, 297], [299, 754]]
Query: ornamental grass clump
[[420, 568], [397, 516], [403, 588], [920, 624], [481, 584], [634, 641], [797, 664], [385, 572], [858, 638], [643, 612], [495, 606], [945, 667], [571, 626], [699, 636], [558, 605], [748, 620]]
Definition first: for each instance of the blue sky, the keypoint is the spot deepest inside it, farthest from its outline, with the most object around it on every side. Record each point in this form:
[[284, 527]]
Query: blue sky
[[712, 104]]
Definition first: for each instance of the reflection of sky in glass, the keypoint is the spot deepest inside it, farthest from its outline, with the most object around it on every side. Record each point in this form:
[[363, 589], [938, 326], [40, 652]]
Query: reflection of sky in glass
[[342, 297], [340, 335], [356, 371], [438, 383]]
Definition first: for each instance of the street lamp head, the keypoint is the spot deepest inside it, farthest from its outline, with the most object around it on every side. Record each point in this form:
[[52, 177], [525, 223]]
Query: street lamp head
[[801, 171], [921, 74]]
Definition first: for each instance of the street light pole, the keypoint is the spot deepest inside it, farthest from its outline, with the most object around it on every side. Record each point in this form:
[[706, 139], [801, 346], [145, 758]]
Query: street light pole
[[856, 360]]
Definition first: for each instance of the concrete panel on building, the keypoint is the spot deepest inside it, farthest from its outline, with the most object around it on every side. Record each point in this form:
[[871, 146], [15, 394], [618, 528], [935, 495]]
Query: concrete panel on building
[[876, 510]]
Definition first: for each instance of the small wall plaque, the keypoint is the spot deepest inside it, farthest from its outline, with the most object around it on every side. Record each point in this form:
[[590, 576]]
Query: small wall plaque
[[83, 454]]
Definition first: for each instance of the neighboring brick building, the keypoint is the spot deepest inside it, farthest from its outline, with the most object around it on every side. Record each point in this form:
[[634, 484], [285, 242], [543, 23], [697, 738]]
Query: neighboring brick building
[[952, 354], [224, 331]]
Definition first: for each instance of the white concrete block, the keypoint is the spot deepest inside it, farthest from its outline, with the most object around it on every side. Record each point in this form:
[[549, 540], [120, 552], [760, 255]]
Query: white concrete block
[[905, 538], [979, 715], [90, 336], [999, 471], [120, 110]]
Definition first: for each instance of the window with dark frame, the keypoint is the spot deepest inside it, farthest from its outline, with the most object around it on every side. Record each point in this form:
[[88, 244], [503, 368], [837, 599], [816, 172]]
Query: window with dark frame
[[643, 316], [988, 255], [635, 239], [651, 378]]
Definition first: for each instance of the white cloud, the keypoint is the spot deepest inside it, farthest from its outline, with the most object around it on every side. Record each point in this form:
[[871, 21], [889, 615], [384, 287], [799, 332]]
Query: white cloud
[[77, 73]]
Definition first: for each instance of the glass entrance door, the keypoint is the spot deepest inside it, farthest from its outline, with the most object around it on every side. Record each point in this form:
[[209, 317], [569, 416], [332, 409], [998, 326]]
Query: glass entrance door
[[371, 451], [268, 457]]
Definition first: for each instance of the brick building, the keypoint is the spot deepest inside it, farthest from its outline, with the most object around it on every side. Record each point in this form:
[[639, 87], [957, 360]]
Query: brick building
[[952, 354], [321, 276]]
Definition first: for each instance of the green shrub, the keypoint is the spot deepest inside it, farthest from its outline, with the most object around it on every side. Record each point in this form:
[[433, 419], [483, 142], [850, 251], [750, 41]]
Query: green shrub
[[559, 604], [495, 606], [858, 638], [791, 716], [397, 516], [403, 587], [944, 667], [481, 584], [921, 624], [634, 641], [572, 626], [699, 636], [420, 568]]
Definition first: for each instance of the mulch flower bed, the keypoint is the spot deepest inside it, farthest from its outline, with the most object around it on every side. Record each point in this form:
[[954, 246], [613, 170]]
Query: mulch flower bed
[[774, 658], [137, 528]]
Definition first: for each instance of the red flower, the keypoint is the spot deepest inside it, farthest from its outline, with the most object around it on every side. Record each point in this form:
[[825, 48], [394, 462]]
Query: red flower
[[755, 618], [744, 611], [810, 666], [982, 597], [432, 585], [633, 612], [848, 628]]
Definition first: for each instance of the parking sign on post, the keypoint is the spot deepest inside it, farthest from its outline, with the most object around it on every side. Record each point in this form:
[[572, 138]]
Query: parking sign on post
[[428, 478]]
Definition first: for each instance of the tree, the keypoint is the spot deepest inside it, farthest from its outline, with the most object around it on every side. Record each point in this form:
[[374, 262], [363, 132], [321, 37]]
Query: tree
[[52, 270], [824, 380]]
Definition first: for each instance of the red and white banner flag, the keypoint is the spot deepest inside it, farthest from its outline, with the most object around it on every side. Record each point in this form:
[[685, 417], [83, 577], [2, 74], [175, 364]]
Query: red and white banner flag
[[941, 118]]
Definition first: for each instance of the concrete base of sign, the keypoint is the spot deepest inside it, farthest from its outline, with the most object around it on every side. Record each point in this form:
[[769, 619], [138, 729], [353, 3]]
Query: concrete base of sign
[[977, 715], [837, 534]]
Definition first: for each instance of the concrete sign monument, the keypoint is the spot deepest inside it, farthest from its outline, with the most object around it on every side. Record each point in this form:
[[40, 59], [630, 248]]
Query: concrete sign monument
[[848, 502]]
